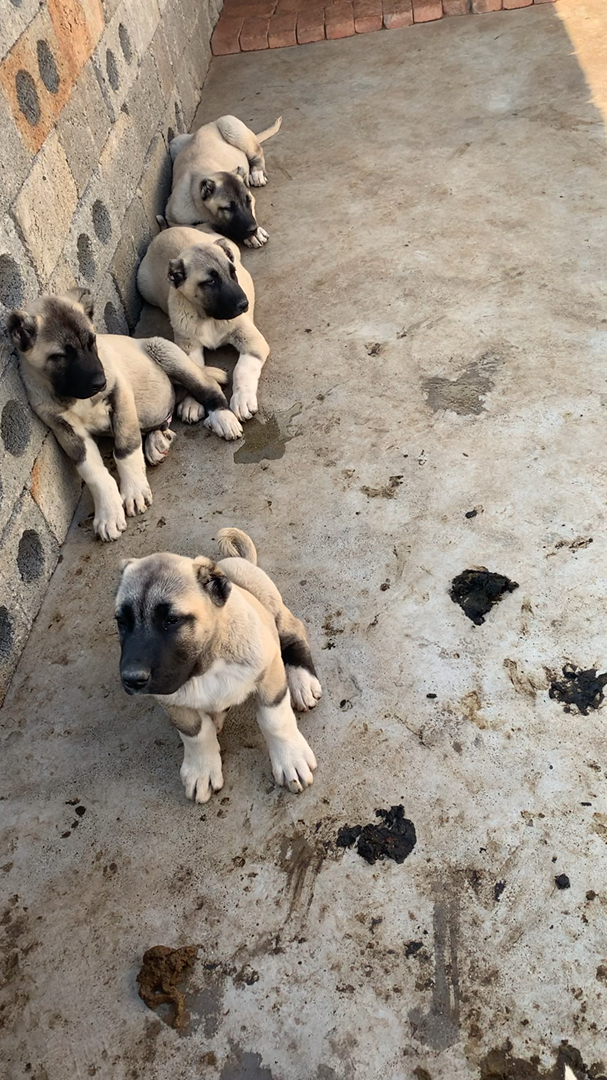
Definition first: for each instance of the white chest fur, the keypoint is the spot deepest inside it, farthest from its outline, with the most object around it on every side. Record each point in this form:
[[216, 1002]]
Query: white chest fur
[[223, 685], [94, 413]]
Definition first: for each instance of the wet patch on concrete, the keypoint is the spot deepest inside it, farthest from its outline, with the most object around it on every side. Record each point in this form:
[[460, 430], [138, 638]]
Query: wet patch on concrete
[[501, 1064], [395, 839], [582, 689], [439, 1027], [464, 395], [476, 591], [266, 437], [162, 970], [242, 1065]]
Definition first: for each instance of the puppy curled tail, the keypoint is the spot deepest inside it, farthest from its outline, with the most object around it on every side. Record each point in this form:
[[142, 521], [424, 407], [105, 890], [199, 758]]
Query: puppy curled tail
[[234, 543], [268, 132]]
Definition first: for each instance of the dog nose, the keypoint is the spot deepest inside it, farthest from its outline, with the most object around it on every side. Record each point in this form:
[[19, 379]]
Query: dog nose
[[242, 306], [99, 383], [135, 681]]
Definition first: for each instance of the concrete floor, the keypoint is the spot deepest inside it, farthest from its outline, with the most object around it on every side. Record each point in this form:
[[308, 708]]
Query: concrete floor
[[434, 292]]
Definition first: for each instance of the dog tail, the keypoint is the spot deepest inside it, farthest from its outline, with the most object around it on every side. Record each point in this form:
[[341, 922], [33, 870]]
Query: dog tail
[[267, 134], [234, 543], [162, 222], [217, 374]]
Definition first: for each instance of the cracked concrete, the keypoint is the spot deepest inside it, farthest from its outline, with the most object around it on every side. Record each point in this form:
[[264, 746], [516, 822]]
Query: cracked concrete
[[449, 180]]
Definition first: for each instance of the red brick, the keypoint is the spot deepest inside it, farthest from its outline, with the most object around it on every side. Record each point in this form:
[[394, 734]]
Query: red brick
[[282, 30], [427, 10], [248, 9], [226, 36], [397, 13], [339, 21], [456, 7], [543, 1], [479, 7], [284, 6], [508, 5], [368, 16], [310, 25], [254, 34]]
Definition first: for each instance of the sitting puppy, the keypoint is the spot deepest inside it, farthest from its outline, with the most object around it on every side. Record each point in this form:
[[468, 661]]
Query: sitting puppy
[[211, 172], [83, 384], [199, 280], [202, 636]]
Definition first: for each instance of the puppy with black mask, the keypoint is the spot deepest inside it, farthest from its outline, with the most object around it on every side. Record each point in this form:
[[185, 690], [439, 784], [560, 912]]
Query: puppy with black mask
[[197, 278], [83, 384], [213, 170]]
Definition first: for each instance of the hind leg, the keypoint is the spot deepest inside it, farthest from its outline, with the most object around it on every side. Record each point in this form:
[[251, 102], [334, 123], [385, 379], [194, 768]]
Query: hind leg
[[239, 135], [157, 445]]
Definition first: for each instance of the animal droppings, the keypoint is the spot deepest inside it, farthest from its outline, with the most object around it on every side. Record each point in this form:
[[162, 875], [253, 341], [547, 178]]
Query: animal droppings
[[584, 689], [562, 881], [476, 591], [394, 839], [163, 968]]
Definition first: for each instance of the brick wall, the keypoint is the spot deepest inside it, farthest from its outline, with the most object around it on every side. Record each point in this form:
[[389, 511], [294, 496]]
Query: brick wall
[[91, 91]]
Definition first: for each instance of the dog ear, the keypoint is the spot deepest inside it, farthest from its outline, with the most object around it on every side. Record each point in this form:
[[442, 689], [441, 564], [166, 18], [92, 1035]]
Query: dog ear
[[176, 274], [22, 329], [207, 188], [212, 580], [84, 297], [225, 247]]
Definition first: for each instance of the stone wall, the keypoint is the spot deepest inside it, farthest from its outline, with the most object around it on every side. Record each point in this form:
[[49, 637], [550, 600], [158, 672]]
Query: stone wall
[[91, 91]]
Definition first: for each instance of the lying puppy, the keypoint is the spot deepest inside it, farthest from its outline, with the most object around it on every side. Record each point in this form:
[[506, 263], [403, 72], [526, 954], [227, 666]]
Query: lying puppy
[[199, 280], [83, 384], [211, 172], [202, 636]]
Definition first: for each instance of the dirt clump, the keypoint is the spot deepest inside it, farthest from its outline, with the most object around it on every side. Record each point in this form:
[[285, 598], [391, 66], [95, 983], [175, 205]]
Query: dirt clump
[[163, 968], [584, 689], [476, 591], [394, 839]]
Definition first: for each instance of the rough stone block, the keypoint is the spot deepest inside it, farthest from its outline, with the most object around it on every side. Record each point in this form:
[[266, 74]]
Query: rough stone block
[[120, 164], [12, 28], [160, 52], [136, 235], [15, 156], [109, 316], [18, 282], [29, 556], [21, 438], [45, 204], [155, 184], [55, 487], [145, 103], [121, 49], [83, 127]]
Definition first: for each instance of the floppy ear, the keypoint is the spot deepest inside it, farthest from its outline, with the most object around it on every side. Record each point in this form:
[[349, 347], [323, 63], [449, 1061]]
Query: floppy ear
[[207, 188], [212, 580], [84, 298], [176, 274], [225, 247], [22, 329]]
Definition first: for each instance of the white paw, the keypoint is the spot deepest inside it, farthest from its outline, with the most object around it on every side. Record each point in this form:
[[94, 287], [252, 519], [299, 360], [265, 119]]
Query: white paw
[[305, 688], [292, 762], [136, 497], [224, 423], [258, 239], [110, 520], [157, 445], [244, 404], [202, 779], [190, 410], [257, 178]]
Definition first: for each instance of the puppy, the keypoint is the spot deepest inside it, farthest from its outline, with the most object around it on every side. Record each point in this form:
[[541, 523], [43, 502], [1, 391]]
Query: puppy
[[83, 384], [211, 172], [198, 279], [203, 636]]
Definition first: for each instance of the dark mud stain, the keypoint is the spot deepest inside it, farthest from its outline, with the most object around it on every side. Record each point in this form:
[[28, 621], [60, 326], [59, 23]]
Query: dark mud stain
[[464, 395], [244, 1066], [301, 862], [266, 437], [502, 1065], [584, 689], [413, 947], [439, 1026], [476, 591], [498, 889], [388, 491], [562, 881], [395, 839], [421, 1074], [163, 968]]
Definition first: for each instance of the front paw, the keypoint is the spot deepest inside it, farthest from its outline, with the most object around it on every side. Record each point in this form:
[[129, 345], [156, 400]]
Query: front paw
[[136, 497], [244, 404], [202, 779], [292, 762], [224, 423], [190, 410], [258, 239], [157, 445], [305, 688], [109, 521], [257, 178]]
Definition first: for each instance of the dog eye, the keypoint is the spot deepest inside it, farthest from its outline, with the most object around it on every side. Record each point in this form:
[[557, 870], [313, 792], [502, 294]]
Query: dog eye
[[120, 622], [172, 620], [56, 357]]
